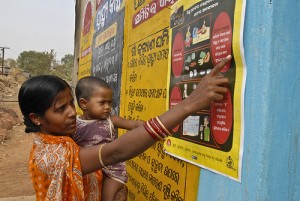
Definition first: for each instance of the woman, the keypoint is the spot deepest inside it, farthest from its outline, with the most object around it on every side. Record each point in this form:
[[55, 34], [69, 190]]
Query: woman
[[59, 169]]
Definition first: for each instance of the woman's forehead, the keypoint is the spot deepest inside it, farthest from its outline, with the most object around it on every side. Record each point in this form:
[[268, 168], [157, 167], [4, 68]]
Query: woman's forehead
[[63, 96]]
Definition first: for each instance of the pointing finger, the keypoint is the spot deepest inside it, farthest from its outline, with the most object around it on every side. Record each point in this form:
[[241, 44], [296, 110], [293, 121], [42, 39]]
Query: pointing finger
[[215, 71]]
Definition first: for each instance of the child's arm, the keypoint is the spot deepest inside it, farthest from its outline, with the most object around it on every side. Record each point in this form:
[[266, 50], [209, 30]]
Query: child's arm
[[127, 124]]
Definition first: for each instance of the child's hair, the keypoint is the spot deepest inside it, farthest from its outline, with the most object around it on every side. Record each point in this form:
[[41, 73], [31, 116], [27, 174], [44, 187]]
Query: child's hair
[[86, 86], [36, 95]]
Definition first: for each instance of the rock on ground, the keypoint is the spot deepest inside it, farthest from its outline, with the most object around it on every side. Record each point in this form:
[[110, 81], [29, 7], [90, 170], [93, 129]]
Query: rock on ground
[[9, 88]]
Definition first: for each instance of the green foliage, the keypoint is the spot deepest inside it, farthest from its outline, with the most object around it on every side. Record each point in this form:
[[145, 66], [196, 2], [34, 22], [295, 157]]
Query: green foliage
[[42, 63], [36, 63], [64, 69]]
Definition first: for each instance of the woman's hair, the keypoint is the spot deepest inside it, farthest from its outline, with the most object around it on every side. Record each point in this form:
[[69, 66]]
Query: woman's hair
[[86, 86], [36, 95]]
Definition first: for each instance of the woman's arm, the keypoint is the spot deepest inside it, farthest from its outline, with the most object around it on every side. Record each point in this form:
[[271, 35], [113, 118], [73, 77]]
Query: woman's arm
[[210, 88], [125, 147]]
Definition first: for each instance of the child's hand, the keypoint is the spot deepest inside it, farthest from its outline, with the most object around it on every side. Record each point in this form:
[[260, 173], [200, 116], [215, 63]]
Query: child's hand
[[139, 123], [121, 194], [128, 124]]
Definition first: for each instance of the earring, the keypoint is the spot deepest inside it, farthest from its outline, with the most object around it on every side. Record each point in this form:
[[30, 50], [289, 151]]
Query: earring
[[38, 123]]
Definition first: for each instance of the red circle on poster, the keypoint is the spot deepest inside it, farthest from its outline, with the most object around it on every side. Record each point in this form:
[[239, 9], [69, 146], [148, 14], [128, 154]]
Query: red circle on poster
[[87, 19], [221, 39], [221, 118], [177, 55], [175, 98]]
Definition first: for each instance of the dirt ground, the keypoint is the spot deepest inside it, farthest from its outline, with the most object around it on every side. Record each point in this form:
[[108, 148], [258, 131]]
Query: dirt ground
[[14, 154], [15, 144]]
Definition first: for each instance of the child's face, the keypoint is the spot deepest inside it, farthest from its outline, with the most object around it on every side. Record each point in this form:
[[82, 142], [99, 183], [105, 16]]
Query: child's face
[[99, 105], [60, 118]]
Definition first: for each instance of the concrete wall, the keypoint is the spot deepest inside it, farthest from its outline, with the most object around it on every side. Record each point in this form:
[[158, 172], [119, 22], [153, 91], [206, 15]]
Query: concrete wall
[[78, 26], [271, 162]]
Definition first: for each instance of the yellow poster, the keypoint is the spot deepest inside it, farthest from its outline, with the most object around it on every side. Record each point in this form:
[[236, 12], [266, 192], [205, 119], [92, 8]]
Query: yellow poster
[[201, 34], [153, 175]]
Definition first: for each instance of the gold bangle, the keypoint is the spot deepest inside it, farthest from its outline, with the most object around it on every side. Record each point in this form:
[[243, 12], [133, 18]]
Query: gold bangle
[[100, 157]]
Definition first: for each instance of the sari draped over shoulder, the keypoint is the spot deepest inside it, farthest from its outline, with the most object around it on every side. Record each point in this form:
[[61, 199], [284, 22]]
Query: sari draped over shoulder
[[55, 170]]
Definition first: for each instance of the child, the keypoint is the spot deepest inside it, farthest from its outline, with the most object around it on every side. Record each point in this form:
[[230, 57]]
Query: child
[[59, 168], [96, 126]]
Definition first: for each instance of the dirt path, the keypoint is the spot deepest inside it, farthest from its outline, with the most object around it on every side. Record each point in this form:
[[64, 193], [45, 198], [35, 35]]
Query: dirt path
[[14, 154]]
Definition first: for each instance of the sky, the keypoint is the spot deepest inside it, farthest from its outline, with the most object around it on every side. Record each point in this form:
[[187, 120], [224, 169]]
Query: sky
[[38, 25]]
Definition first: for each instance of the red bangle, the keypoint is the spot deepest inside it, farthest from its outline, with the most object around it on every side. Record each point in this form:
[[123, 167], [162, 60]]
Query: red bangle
[[150, 132], [157, 128], [153, 131], [158, 122]]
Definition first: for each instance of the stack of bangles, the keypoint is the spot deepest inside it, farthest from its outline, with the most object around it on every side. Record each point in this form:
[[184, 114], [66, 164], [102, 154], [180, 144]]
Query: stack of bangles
[[156, 129]]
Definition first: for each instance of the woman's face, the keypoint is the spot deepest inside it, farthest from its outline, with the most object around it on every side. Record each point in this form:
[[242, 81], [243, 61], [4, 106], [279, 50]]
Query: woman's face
[[60, 118]]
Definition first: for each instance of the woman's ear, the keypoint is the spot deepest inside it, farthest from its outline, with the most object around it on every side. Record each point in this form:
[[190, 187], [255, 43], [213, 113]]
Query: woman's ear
[[35, 119], [82, 103]]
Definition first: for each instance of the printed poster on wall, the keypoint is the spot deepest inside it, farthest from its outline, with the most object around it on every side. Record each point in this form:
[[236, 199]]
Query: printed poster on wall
[[153, 175], [108, 46], [202, 33], [85, 56]]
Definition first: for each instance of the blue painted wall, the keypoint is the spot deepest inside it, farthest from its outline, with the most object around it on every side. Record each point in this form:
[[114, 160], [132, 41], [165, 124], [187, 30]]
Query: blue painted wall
[[271, 161]]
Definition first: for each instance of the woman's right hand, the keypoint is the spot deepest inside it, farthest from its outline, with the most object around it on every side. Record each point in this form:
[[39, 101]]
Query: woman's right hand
[[210, 88]]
